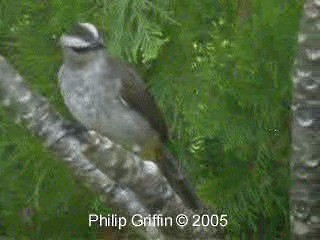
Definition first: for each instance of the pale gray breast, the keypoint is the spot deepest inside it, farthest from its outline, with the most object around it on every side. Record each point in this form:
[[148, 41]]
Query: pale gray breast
[[79, 96], [94, 100]]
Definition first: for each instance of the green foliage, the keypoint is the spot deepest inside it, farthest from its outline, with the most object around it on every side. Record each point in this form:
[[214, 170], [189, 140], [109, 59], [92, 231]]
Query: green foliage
[[233, 98], [136, 27], [223, 81]]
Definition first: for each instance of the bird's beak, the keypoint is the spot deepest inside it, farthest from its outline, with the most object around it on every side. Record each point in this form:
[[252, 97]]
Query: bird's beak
[[62, 41]]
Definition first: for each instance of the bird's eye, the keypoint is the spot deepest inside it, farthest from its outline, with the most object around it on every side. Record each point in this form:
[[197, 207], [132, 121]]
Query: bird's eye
[[80, 50], [91, 47]]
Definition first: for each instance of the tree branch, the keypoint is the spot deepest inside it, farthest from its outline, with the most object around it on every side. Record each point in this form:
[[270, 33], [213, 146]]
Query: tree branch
[[123, 180]]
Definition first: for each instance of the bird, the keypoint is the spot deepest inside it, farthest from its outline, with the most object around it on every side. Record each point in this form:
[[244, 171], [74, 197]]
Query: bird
[[108, 96]]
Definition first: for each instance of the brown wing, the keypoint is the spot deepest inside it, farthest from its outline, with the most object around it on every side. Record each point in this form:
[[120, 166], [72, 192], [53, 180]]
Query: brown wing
[[137, 96]]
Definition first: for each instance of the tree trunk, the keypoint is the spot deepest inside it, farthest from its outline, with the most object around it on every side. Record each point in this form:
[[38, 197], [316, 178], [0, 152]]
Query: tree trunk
[[305, 192]]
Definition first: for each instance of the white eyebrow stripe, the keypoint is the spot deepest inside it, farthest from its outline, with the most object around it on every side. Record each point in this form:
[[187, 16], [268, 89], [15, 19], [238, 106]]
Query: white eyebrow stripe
[[92, 29], [70, 41]]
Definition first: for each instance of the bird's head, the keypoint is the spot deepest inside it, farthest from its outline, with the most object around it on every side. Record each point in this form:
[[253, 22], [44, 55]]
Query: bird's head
[[82, 43]]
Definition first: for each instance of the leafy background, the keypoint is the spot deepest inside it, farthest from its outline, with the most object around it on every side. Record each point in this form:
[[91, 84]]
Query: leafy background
[[220, 71]]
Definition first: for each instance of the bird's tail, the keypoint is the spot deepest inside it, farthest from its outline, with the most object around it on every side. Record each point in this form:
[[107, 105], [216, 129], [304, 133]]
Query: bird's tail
[[178, 181]]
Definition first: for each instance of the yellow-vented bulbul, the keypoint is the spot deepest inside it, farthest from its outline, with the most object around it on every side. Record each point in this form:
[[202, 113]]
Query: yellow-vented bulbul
[[110, 98]]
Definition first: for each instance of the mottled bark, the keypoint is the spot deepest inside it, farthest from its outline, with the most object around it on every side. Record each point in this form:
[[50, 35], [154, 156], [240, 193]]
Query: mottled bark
[[128, 183], [305, 192]]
